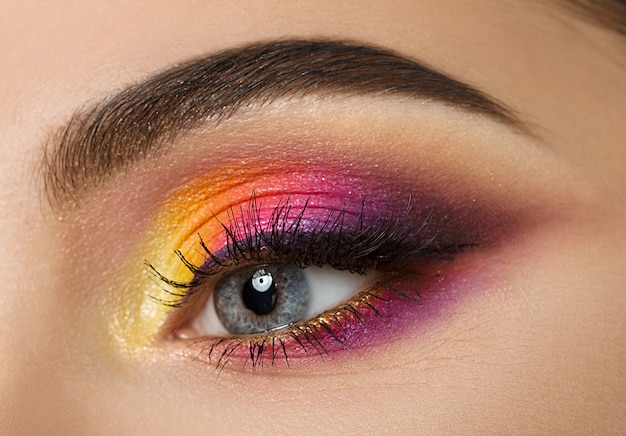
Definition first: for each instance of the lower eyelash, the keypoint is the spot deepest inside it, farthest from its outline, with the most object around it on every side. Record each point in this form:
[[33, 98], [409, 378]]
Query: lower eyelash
[[340, 328]]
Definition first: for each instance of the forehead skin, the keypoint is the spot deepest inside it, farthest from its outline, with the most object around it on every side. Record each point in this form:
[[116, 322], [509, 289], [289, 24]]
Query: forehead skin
[[547, 358]]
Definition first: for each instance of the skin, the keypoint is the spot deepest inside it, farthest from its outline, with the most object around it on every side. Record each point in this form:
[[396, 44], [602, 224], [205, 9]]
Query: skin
[[537, 347]]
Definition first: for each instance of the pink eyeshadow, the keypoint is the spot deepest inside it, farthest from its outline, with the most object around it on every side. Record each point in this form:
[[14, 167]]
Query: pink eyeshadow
[[405, 304]]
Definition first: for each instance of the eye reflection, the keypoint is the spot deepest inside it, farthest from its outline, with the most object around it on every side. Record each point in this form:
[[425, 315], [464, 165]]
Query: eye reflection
[[259, 292], [257, 299]]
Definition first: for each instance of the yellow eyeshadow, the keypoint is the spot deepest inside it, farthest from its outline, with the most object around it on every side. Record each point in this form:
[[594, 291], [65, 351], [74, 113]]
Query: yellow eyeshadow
[[199, 207]]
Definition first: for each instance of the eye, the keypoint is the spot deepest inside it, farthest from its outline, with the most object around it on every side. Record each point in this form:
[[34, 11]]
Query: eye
[[282, 281], [262, 298]]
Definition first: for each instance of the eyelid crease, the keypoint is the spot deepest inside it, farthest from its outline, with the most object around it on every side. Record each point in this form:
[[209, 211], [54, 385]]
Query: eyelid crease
[[143, 119]]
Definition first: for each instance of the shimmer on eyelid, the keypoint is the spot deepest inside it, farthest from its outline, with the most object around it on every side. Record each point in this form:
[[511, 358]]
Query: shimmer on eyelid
[[202, 206], [144, 118]]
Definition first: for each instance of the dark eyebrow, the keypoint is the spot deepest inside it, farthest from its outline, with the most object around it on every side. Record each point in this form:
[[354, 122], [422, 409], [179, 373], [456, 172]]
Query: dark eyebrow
[[143, 119]]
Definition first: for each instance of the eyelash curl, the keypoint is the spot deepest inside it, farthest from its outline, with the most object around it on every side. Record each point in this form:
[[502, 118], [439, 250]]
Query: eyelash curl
[[306, 237]]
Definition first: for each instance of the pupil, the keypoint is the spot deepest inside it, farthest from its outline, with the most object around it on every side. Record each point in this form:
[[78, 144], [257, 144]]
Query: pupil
[[260, 301]]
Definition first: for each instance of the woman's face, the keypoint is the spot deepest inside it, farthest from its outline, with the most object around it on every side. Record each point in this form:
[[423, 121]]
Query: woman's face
[[472, 232]]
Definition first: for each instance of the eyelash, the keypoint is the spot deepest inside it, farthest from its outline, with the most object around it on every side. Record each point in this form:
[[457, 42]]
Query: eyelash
[[344, 241], [311, 335]]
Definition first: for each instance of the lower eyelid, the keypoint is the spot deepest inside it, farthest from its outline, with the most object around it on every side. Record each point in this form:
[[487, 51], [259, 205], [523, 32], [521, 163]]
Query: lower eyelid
[[386, 312]]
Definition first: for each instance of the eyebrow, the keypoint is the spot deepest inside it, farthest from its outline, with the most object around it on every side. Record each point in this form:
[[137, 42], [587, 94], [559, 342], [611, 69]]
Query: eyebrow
[[144, 119]]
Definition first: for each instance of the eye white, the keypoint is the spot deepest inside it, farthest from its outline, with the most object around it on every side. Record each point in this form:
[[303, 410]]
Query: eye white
[[328, 288]]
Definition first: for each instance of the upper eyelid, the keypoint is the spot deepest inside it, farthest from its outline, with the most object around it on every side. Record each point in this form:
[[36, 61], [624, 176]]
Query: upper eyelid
[[182, 209], [245, 234], [136, 122]]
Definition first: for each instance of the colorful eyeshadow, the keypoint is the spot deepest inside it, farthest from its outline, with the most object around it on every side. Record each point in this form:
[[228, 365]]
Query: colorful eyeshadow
[[203, 222]]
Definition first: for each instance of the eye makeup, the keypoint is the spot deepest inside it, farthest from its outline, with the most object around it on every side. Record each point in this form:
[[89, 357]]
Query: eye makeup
[[327, 212], [254, 193], [400, 305]]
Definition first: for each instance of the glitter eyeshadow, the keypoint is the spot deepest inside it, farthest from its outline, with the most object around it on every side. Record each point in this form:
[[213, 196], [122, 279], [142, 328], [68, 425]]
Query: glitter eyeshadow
[[204, 208]]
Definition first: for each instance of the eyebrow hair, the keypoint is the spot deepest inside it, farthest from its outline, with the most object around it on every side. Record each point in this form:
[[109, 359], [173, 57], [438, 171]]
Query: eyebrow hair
[[144, 118]]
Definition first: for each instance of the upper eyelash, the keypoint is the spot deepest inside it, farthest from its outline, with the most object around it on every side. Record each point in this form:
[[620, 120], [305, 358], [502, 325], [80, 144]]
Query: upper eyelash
[[354, 245], [346, 244], [333, 241]]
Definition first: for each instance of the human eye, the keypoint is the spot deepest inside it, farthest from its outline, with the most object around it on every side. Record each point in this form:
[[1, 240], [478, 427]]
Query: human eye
[[389, 242], [368, 215], [330, 259], [284, 279], [393, 243]]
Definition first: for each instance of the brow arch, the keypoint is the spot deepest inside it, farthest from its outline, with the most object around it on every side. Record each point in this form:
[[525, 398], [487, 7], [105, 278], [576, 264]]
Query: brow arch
[[141, 119]]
